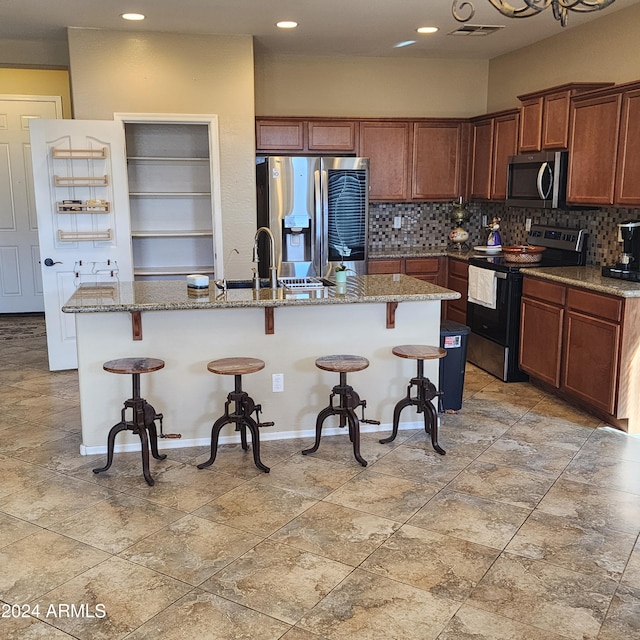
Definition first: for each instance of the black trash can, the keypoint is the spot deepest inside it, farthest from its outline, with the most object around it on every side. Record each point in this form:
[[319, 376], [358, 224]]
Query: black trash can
[[453, 338]]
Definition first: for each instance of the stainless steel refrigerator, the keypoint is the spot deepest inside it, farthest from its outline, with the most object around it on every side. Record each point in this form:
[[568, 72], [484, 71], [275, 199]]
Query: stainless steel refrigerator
[[318, 211]]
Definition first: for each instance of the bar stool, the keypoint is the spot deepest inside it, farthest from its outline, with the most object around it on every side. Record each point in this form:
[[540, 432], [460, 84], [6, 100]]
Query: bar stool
[[244, 407], [349, 401], [425, 391], [144, 415]]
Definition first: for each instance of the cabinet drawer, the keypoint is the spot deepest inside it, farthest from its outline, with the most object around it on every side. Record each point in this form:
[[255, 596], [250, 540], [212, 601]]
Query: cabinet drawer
[[545, 291], [458, 268], [384, 266], [595, 304], [421, 266]]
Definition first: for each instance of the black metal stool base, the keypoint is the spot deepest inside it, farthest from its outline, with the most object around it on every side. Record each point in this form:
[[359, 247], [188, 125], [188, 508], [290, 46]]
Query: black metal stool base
[[425, 393], [349, 402], [241, 416], [144, 417]]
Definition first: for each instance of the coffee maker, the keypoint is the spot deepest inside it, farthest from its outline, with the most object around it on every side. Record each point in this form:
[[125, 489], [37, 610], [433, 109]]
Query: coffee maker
[[628, 265]]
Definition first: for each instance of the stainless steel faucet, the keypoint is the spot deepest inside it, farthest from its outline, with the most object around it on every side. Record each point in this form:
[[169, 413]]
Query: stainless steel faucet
[[273, 271]]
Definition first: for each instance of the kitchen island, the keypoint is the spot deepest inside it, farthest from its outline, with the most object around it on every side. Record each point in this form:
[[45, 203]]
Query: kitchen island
[[286, 328]]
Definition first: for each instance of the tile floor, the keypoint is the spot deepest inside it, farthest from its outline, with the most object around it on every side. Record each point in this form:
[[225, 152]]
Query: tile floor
[[526, 530]]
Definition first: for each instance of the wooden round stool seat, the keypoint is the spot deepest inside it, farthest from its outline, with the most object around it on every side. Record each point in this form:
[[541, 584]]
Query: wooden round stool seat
[[342, 363], [419, 352], [133, 365], [235, 366]]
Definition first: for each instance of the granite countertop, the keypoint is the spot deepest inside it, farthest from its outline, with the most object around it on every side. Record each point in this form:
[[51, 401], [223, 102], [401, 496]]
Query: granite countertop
[[587, 278], [167, 295], [419, 252]]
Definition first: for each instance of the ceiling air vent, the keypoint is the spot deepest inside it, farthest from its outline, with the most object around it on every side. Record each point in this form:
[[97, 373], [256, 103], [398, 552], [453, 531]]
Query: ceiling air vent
[[476, 30]]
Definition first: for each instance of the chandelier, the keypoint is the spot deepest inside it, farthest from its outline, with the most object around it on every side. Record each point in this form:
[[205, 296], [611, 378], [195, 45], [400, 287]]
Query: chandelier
[[560, 8]]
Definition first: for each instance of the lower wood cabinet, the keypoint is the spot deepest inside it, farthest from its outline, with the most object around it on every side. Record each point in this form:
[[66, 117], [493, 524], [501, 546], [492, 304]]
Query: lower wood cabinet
[[430, 269], [581, 343], [457, 280]]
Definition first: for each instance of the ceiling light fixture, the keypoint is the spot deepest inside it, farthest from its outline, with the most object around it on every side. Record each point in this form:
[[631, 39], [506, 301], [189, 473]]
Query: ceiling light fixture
[[427, 29], [286, 24], [560, 8], [132, 16]]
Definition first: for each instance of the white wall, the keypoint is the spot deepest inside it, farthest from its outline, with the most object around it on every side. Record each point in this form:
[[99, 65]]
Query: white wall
[[175, 73]]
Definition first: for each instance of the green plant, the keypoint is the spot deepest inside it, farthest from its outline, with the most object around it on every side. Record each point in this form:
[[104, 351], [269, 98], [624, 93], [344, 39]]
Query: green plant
[[342, 267]]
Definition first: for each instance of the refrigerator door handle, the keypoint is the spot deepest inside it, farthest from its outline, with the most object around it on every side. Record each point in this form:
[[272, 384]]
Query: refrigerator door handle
[[320, 254]]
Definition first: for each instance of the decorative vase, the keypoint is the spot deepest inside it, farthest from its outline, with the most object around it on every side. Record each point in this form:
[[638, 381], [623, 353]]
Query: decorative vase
[[340, 276]]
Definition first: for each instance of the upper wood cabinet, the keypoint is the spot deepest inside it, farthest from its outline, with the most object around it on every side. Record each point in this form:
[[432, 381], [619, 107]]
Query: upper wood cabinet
[[493, 139], [593, 148], [387, 144], [627, 191], [544, 116], [438, 160], [301, 135]]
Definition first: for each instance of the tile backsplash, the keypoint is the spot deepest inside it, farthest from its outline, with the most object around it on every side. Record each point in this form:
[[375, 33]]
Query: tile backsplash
[[428, 224]]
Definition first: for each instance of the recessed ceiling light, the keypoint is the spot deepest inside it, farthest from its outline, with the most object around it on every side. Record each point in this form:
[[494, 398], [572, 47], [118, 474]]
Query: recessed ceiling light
[[286, 24], [132, 16], [427, 29], [405, 43]]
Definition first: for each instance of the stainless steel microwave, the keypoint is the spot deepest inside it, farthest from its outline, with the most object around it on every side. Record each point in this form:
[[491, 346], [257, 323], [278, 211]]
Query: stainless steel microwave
[[538, 180]]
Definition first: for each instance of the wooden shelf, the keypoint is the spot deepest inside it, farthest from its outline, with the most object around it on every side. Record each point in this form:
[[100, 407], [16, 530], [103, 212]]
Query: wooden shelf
[[61, 207], [81, 181], [84, 236], [79, 154]]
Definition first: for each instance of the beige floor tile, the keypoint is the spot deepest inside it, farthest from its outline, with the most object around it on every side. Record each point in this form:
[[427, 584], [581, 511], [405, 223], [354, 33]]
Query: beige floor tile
[[61, 455], [631, 576], [370, 607], [16, 475], [474, 624], [31, 628], [38, 563], [443, 565], [116, 523], [13, 529], [421, 465], [256, 508], [544, 596], [52, 501], [605, 472], [538, 429], [623, 619], [15, 440], [530, 457], [231, 459], [278, 580], [186, 487], [478, 520], [339, 449], [612, 443], [121, 595], [301, 634], [552, 407], [308, 475], [191, 549], [205, 615], [593, 505], [455, 440], [573, 544], [382, 495], [502, 484], [336, 532]]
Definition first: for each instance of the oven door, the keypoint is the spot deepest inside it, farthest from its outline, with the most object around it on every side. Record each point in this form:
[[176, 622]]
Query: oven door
[[493, 323]]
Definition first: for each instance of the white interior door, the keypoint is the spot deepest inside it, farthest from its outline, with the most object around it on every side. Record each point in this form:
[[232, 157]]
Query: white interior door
[[82, 204], [20, 279]]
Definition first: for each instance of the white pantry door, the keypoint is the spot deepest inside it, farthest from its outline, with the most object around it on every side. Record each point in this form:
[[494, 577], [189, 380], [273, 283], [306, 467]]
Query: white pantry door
[[82, 202], [20, 280]]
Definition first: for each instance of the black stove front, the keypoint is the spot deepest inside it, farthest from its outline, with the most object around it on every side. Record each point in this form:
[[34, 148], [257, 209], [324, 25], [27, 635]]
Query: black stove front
[[493, 343]]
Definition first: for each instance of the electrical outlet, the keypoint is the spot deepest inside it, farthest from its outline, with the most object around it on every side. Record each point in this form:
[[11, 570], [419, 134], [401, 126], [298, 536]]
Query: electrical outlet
[[277, 382], [484, 220], [397, 222], [527, 224]]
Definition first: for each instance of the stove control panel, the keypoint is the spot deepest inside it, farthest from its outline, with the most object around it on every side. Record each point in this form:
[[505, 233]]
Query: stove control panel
[[557, 237]]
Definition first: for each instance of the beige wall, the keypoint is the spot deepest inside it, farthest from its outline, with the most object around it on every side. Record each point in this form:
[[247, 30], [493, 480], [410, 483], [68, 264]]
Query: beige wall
[[174, 73], [34, 53], [376, 87], [37, 82], [605, 50]]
